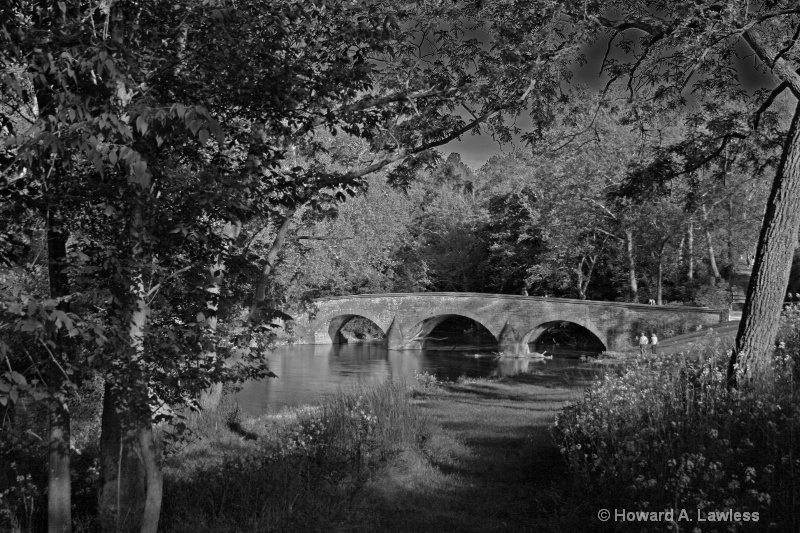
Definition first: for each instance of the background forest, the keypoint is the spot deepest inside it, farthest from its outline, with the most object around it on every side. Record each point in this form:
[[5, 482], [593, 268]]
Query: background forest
[[583, 214]]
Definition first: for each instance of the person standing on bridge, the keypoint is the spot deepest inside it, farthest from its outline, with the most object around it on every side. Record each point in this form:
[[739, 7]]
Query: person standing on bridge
[[654, 343], [643, 343]]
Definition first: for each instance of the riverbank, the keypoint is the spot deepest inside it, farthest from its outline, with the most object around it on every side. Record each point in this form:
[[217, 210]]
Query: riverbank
[[475, 455], [490, 463]]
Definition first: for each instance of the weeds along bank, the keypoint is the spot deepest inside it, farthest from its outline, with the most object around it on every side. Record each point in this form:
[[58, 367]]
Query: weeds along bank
[[297, 471], [665, 433]]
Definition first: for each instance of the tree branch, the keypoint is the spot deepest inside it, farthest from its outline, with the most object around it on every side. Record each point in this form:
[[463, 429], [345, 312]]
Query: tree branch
[[785, 70], [768, 102], [324, 238], [372, 101], [604, 232]]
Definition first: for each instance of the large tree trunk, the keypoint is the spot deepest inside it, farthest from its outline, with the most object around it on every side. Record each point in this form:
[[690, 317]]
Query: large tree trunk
[[690, 250], [631, 265], [59, 489], [660, 273], [122, 475], [712, 260], [776, 244], [211, 397], [131, 481]]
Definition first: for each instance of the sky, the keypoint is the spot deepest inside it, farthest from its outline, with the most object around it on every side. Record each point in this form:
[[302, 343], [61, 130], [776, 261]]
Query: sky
[[475, 150]]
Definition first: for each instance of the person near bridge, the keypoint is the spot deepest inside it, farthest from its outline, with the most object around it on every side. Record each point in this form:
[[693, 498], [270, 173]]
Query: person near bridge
[[643, 343]]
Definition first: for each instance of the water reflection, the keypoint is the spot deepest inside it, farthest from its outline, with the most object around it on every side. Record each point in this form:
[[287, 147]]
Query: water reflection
[[309, 372]]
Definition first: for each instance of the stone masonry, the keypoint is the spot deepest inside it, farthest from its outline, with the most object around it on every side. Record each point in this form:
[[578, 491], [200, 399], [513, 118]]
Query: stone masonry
[[407, 319]]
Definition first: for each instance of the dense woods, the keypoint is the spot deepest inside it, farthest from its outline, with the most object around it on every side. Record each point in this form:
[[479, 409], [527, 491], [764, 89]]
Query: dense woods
[[177, 175], [585, 219]]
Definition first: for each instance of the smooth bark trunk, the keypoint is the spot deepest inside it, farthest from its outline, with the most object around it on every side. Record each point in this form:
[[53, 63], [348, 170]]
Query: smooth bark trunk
[[211, 397], [631, 265], [660, 273], [59, 488], [770, 276], [731, 249], [131, 481], [121, 473], [689, 251], [712, 260]]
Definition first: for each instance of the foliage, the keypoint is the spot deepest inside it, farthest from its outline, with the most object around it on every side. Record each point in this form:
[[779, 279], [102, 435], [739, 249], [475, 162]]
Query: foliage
[[426, 382], [514, 238], [144, 135], [667, 433], [303, 470]]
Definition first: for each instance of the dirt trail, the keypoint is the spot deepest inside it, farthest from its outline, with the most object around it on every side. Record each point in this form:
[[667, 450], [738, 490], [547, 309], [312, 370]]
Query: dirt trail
[[489, 463]]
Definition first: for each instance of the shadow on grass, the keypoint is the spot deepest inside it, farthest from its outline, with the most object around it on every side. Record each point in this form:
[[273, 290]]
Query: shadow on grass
[[489, 465]]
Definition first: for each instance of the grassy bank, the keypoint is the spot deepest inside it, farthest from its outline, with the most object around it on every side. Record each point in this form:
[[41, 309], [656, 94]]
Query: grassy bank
[[469, 456], [296, 471], [489, 463]]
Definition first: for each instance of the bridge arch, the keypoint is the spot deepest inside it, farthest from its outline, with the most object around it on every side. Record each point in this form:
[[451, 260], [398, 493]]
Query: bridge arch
[[434, 312], [511, 319], [422, 328], [533, 334], [336, 323]]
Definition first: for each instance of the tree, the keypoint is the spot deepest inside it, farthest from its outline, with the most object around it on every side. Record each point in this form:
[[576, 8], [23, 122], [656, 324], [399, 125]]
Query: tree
[[685, 46], [158, 130]]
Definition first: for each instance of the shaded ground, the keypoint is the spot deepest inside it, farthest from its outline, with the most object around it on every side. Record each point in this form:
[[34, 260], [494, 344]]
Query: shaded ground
[[488, 464]]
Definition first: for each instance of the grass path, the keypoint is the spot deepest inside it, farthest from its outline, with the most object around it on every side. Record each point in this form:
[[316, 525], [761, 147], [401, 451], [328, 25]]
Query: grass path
[[487, 464]]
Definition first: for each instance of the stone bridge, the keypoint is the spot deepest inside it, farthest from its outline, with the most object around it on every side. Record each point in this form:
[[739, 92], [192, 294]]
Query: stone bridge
[[515, 321]]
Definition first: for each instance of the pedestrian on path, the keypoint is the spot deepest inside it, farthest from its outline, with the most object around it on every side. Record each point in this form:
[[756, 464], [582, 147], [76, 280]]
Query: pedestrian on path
[[654, 343], [643, 343]]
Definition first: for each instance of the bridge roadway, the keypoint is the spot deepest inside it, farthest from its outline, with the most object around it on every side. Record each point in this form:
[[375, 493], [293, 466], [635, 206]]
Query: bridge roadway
[[408, 319]]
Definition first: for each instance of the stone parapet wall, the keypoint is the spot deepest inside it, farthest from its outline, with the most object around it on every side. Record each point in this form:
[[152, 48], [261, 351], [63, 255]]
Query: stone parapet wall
[[407, 319]]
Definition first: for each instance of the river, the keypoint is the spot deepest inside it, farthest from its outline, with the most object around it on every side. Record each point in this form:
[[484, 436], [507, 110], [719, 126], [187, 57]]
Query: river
[[306, 373]]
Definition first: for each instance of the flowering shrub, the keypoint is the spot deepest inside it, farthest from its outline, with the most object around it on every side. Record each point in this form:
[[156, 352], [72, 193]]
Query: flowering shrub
[[665, 432], [353, 427], [425, 381], [344, 430]]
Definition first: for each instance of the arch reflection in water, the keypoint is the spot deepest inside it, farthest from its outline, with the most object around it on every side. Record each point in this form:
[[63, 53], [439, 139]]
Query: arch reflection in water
[[309, 372]]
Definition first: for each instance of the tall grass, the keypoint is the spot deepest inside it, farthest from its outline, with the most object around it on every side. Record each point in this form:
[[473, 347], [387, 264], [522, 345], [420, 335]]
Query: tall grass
[[300, 474], [666, 433]]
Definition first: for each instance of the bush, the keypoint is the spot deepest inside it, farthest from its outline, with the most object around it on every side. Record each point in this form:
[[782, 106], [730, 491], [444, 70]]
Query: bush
[[666, 433], [425, 381]]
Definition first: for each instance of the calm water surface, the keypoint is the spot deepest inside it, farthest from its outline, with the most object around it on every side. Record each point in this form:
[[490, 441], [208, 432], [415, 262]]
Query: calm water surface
[[309, 372]]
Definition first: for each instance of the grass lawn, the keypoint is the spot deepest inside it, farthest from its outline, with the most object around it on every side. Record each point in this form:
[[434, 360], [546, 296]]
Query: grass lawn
[[487, 464], [476, 455]]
